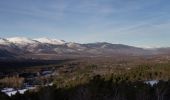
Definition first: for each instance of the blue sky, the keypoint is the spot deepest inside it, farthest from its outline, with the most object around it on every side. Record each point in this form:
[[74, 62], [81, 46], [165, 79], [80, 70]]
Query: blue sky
[[142, 23]]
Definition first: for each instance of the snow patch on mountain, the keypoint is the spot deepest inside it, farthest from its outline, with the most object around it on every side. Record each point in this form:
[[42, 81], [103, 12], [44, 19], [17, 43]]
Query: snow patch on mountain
[[73, 45]]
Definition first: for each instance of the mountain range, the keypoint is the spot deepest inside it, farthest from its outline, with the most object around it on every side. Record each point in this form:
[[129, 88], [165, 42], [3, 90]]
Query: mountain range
[[44, 48]]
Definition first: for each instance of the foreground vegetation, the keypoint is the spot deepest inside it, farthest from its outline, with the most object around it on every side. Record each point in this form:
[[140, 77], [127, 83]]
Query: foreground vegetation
[[99, 88], [105, 79]]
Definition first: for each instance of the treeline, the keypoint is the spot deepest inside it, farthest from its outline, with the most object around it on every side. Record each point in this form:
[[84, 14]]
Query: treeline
[[99, 88]]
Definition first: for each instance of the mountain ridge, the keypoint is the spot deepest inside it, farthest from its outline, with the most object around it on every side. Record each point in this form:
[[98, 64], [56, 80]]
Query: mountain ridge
[[21, 46]]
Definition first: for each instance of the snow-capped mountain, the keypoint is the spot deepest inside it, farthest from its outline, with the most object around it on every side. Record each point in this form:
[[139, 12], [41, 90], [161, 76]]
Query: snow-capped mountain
[[50, 41], [26, 47]]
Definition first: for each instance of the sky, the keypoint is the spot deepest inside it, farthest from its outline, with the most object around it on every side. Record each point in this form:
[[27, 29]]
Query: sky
[[141, 23]]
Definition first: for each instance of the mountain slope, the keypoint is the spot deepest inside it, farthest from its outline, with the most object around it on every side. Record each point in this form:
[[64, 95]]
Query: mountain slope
[[6, 54]]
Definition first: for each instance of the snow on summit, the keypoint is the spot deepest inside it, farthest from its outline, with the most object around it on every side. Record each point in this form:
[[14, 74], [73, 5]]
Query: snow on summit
[[50, 41], [21, 40], [4, 41]]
